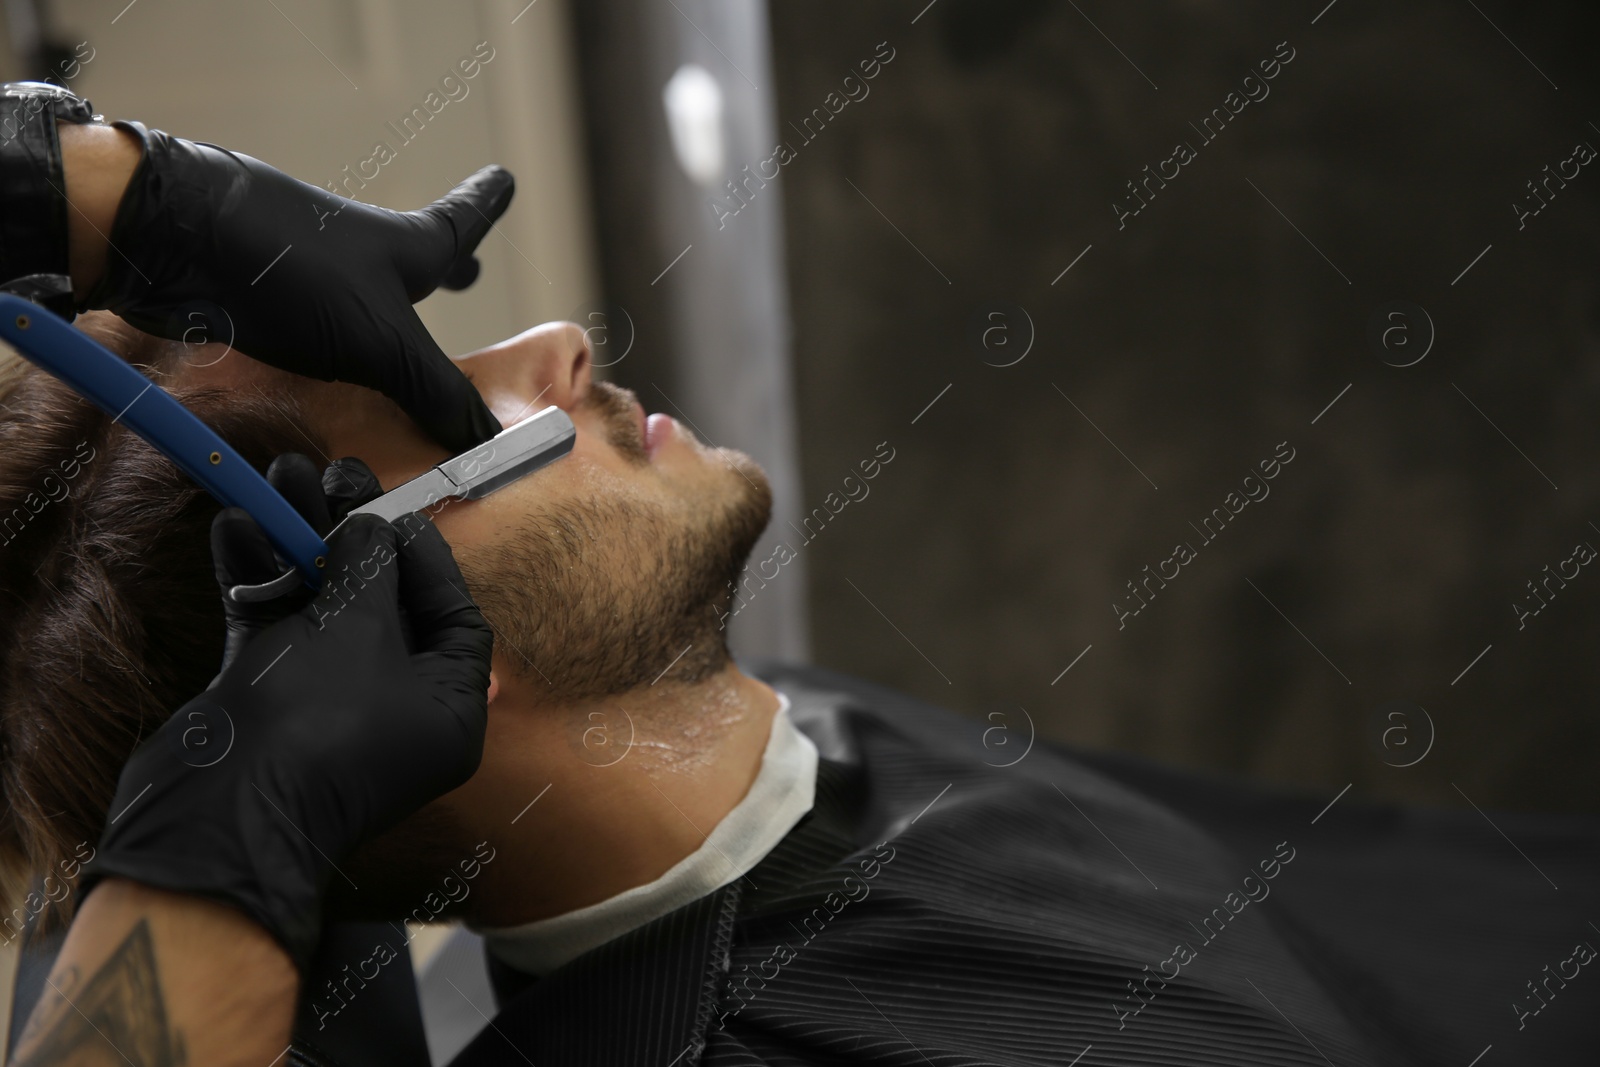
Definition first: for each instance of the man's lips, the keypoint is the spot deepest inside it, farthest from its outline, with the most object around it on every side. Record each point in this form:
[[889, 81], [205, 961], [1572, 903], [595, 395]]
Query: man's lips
[[653, 429], [658, 428]]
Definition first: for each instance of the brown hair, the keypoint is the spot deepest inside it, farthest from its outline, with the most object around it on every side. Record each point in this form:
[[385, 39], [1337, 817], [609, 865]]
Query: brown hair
[[110, 617]]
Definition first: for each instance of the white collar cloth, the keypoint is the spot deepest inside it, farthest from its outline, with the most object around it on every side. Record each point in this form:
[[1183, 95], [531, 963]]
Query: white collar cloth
[[782, 793]]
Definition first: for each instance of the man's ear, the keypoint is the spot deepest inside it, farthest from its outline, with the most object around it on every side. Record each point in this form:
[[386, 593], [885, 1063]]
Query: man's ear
[[494, 686]]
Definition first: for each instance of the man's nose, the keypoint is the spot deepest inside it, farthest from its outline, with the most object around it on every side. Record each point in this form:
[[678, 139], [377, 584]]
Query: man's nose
[[549, 364], [570, 371]]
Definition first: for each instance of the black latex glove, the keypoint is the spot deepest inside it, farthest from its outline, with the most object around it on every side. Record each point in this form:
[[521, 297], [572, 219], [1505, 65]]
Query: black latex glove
[[242, 555], [321, 733], [205, 229]]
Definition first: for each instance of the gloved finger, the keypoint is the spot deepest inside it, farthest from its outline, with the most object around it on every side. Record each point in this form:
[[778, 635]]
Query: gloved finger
[[462, 273], [434, 392], [300, 483], [242, 555], [361, 575], [240, 551], [460, 218], [347, 484], [452, 640]]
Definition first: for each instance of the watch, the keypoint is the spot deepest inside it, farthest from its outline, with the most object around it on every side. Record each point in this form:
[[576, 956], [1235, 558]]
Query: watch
[[33, 191]]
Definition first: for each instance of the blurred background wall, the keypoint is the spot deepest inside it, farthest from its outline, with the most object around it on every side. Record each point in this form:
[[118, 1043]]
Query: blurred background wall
[[1072, 371], [1320, 632], [1055, 374]]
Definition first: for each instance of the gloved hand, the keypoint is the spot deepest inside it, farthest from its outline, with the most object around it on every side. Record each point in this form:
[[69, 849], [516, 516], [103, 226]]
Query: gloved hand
[[300, 277], [243, 556], [322, 732]]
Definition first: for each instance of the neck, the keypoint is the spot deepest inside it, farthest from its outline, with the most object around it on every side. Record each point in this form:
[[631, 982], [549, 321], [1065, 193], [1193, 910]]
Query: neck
[[626, 787]]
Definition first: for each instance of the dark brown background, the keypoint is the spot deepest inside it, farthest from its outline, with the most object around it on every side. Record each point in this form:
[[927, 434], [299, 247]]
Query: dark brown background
[[1197, 339]]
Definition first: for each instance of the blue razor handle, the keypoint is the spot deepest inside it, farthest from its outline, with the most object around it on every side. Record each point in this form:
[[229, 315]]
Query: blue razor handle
[[97, 373]]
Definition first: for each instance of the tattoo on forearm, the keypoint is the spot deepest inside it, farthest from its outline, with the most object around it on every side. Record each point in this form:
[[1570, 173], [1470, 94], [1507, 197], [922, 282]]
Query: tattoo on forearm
[[119, 1016]]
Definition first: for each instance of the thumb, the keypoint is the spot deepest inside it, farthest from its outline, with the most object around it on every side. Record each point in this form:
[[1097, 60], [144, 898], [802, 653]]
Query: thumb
[[347, 484], [462, 217], [452, 639], [433, 391], [242, 555], [240, 551]]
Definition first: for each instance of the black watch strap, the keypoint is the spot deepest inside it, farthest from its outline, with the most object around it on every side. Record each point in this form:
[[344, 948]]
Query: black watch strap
[[33, 191]]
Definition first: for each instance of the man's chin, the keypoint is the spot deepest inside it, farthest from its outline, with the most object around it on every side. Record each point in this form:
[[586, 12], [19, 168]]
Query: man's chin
[[743, 463], [753, 500]]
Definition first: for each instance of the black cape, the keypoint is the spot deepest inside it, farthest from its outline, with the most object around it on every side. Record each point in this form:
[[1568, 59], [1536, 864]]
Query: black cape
[[939, 906]]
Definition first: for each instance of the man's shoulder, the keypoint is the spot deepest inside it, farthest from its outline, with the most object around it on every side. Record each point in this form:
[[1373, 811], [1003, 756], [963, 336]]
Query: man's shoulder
[[956, 795]]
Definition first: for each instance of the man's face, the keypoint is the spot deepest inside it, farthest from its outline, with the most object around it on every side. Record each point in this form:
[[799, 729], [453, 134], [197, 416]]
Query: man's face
[[598, 570]]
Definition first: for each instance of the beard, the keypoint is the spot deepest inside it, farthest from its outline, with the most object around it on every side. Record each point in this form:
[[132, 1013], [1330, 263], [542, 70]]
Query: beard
[[589, 598], [593, 597]]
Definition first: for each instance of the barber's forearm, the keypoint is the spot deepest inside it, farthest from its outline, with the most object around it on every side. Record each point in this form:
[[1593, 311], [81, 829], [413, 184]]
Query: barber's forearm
[[98, 162], [162, 978]]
